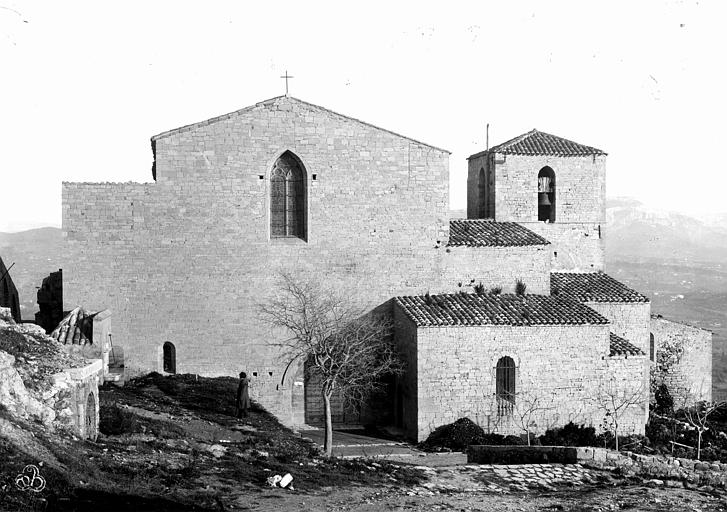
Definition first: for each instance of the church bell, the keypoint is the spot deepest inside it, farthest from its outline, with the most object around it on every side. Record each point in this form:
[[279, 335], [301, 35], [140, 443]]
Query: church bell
[[543, 199]]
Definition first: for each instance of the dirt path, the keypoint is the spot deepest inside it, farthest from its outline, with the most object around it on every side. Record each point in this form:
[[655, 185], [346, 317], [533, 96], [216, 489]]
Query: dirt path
[[633, 498]]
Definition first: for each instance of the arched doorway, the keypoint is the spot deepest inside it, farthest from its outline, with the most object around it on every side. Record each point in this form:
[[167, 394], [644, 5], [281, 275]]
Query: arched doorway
[[546, 195], [91, 431], [169, 358]]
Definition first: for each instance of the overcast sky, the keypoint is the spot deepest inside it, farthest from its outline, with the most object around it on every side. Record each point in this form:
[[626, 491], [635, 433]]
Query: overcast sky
[[85, 84]]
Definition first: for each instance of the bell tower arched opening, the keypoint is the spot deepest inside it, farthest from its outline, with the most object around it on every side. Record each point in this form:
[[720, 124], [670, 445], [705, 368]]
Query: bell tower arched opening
[[546, 195]]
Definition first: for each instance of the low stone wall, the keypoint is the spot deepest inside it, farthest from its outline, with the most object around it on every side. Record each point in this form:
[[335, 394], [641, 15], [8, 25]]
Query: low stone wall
[[76, 399], [659, 469], [484, 454]]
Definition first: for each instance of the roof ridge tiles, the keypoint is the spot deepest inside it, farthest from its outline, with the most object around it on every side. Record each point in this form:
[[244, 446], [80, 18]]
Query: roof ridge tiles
[[537, 142]]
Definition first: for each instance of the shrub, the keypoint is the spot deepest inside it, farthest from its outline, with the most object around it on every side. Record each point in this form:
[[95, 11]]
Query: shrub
[[520, 287], [455, 436], [479, 289], [496, 290], [570, 435], [664, 400]]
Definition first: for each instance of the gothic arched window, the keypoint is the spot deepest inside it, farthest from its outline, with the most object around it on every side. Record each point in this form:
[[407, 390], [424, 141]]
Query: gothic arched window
[[546, 194], [170, 358], [505, 385], [288, 198]]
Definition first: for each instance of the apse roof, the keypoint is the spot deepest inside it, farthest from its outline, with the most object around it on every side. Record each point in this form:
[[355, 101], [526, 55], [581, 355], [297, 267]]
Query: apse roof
[[488, 233], [622, 347], [465, 309], [536, 143], [592, 287]]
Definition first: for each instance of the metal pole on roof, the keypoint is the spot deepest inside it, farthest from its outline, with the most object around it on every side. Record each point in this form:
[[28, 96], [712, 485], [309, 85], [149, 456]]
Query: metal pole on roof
[[487, 137]]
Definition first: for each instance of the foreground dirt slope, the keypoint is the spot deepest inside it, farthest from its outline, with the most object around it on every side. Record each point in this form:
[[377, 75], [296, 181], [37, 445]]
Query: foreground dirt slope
[[171, 443]]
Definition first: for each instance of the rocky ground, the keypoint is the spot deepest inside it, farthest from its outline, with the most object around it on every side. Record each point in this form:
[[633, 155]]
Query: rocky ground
[[171, 443]]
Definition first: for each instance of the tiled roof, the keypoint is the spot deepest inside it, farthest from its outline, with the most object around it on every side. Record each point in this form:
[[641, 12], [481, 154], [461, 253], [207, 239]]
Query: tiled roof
[[592, 287], [75, 328], [466, 309], [622, 347], [541, 143], [488, 233]]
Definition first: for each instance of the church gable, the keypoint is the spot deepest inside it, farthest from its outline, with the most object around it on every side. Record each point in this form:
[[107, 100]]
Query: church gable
[[288, 120]]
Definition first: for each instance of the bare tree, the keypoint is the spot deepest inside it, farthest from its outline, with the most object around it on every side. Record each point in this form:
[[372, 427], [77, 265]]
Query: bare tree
[[350, 350], [697, 412], [527, 406], [615, 401]]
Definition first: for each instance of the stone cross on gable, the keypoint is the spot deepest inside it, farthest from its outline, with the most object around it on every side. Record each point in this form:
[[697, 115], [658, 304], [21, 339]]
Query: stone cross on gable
[[286, 76]]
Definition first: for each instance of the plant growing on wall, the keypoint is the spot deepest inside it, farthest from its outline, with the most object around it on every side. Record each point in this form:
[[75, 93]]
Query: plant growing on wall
[[668, 356], [520, 287], [349, 349]]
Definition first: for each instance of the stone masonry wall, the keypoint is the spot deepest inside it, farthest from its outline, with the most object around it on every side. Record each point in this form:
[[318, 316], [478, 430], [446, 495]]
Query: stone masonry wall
[[497, 266], [629, 320], [188, 259], [562, 365], [580, 188], [475, 210], [625, 381], [574, 246], [691, 377], [406, 396], [580, 203]]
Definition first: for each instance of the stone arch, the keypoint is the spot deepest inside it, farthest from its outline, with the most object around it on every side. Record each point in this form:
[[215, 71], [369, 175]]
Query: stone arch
[[288, 198], [546, 194], [169, 357]]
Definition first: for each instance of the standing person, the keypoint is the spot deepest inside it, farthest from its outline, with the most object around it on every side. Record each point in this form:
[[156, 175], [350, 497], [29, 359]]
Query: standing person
[[242, 403]]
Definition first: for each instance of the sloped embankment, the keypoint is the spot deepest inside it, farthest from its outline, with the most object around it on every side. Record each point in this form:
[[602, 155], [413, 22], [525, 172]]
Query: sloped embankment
[[172, 443]]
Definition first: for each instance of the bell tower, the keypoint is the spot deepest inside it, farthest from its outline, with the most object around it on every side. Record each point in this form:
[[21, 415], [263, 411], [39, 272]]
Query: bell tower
[[551, 185]]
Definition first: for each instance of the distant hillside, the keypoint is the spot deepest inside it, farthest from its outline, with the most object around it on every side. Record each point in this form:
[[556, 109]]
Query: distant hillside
[[680, 262], [634, 231], [36, 253]]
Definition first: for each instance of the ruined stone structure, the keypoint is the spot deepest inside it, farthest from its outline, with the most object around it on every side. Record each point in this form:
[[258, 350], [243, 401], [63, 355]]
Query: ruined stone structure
[[42, 381], [50, 301], [9, 293], [682, 356], [287, 186]]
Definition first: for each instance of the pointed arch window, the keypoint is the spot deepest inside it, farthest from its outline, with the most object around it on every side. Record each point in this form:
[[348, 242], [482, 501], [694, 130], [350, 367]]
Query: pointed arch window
[[288, 198], [505, 385]]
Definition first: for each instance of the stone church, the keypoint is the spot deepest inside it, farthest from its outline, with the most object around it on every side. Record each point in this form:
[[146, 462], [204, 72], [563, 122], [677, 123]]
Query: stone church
[[286, 186]]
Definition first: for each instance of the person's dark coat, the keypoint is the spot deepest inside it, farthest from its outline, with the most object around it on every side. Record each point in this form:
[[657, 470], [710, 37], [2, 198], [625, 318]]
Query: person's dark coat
[[242, 403]]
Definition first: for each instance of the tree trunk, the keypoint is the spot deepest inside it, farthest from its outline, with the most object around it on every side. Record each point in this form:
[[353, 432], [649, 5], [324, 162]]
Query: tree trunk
[[328, 441], [699, 444], [615, 430]]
